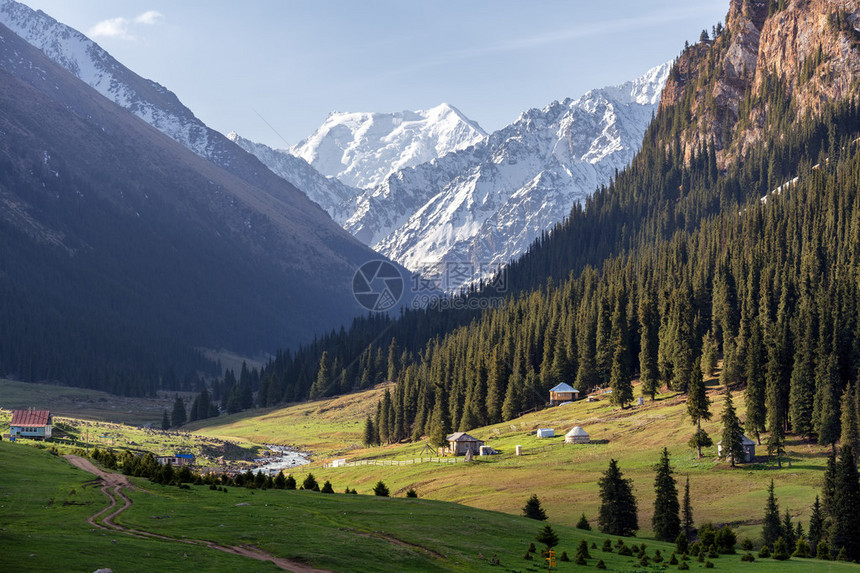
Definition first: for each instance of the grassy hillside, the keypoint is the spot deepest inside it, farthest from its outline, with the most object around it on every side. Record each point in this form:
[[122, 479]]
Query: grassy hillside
[[563, 476], [328, 427], [84, 403], [336, 532]]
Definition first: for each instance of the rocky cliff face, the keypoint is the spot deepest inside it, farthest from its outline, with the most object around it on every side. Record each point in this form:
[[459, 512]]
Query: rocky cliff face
[[806, 52]]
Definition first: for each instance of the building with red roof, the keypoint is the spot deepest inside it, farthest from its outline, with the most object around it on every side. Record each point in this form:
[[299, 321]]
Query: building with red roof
[[34, 424]]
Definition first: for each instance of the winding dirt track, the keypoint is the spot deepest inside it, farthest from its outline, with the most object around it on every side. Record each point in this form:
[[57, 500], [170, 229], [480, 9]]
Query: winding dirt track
[[112, 486]]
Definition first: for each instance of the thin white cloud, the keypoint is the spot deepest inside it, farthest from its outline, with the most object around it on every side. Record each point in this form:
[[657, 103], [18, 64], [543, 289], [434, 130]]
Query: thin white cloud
[[121, 28], [149, 18], [111, 28]]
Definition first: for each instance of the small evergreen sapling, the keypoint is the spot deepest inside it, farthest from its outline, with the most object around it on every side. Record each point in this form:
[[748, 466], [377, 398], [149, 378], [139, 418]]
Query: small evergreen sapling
[[533, 510], [583, 523]]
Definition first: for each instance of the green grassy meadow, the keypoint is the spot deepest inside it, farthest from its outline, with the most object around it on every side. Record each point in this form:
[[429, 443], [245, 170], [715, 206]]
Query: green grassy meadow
[[43, 528], [563, 476]]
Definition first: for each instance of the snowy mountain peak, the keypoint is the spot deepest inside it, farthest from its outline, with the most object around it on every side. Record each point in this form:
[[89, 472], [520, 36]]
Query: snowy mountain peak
[[362, 149], [479, 207]]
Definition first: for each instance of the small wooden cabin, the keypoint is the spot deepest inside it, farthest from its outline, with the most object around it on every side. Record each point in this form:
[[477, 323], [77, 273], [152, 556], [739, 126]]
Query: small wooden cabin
[[459, 443], [562, 393], [749, 450], [33, 424]]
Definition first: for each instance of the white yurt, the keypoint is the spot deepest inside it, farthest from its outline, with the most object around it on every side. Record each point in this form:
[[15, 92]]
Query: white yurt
[[576, 436]]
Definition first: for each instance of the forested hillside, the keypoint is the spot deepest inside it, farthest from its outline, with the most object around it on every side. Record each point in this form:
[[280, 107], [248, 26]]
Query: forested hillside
[[678, 262]]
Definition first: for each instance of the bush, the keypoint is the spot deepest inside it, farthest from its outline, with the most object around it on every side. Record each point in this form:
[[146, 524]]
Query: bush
[[695, 549], [780, 549], [709, 565], [326, 488], [747, 557], [564, 556], [532, 547], [726, 540], [682, 544], [643, 561], [841, 556], [411, 493], [683, 566], [822, 550], [527, 556], [747, 544], [658, 557], [764, 552], [625, 551], [607, 545], [290, 482], [380, 489], [601, 564], [802, 549], [707, 535], [712, 552]]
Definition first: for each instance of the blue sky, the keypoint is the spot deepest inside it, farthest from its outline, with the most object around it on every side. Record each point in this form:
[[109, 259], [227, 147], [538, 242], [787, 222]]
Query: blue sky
[[272, 70]]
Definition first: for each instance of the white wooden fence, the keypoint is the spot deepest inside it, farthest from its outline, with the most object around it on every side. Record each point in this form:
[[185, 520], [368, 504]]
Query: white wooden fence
[[455, 460]]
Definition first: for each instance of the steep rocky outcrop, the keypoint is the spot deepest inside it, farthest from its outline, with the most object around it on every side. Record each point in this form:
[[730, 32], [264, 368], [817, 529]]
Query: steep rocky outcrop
[[773, 62]]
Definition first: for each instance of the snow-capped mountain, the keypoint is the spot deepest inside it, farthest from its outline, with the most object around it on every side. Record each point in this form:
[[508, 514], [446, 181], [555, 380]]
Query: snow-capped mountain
[[327, 192], [362, 149], [475, 209]]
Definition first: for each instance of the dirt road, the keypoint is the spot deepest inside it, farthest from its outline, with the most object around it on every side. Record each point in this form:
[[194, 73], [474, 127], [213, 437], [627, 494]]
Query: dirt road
[[113, 485]]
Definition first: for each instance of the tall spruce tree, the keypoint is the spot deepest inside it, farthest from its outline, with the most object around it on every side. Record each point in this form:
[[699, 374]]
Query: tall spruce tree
[[618, 514], [771, 525], [816, 523], [666, 521], [620, 372], [845, 524], [698, 407], [826, 411], [649, 373], [732, 437], [850, 429], [178, 417], [687, 511], [754, 396]]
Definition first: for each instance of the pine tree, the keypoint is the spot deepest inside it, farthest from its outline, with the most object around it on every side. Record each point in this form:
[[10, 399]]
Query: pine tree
[[618, 511], [649, 373], [802, 390], [323, 379], [619, 379], [178, 418], [755, 392], [816, 524], [548, 537], [845, 523], [826, 417], [828, 487], [533, 510], [732, 442], [165, 421], [850, 430], [371, 436], [771, 527], [698, 406], [666, 521], [687, 517]]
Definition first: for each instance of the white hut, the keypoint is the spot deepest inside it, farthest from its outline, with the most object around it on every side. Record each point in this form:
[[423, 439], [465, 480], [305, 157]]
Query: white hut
[[749, 449], [546, 433], [576, 436]]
